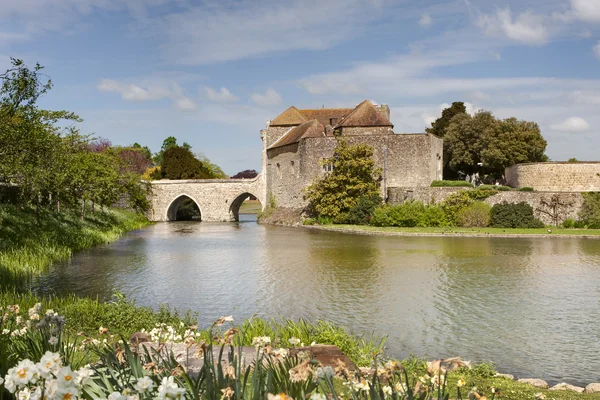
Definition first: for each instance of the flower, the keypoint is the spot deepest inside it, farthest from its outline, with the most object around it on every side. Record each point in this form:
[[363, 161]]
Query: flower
[[50, 389], [24, 394], [222, 320], [53, 340], [102, 330], [116, 396], [50, 363], [387, 390], [540, 396], [317, 396], [144, 384], [1, 380], [261, 341], [294, 341], [230, 371], [23, 373], [66, 378], [280, 396], [83, 374], [460, 383], [67, 393], [227, 393], [401, 388], [169, 389]]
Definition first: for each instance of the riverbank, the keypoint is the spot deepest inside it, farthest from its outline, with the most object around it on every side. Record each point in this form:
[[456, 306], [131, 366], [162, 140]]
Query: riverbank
[[28, 248]]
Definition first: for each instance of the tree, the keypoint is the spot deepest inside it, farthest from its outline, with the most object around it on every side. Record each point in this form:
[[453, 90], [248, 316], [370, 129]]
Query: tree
[[512, 142], [353, 177], [180, 163], [494, 143], [215, 171], [245, 174], [439, 126], [169, 142], [464, 140]]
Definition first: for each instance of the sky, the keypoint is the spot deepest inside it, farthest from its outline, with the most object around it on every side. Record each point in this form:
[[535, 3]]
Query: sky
[[212, 72]]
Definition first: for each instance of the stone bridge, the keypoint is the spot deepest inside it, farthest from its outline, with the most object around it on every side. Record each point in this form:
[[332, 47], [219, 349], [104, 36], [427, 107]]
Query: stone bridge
[[217, 199]]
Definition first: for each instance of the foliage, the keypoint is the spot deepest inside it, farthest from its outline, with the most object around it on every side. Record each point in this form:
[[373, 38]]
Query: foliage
[[459, 183], [569, 223], [511, 215], [495, 143], [28, 247], [361, 213], [499, 188], [169, 142], [440, 125], [353, 177], [409, 214], [590, 210], [573, 160], [477, 214], [188, 211], [556, 207], [526, 189], [245, 174], [180, 163], [214, 171]]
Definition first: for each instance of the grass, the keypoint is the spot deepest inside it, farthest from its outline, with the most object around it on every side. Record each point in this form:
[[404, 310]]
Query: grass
[[464, 231], [250, 207], [28, 248], [451, 184]]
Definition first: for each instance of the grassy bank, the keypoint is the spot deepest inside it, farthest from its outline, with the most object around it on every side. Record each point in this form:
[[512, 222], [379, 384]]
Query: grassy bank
[[28, 248], [454, 231]]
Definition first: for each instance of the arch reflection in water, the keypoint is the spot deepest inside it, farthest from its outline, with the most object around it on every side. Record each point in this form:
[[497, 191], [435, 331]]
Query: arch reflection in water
[[184, 208]]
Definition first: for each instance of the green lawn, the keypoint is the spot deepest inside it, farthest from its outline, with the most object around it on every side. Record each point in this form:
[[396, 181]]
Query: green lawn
[[463, 231], [250, 207]]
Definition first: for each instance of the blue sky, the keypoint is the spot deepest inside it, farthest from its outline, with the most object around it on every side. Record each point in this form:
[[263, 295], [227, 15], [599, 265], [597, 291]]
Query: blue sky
[[212, 72]]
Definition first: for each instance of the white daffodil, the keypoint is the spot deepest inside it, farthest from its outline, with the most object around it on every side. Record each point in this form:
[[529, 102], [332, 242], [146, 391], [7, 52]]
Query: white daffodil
[[24, 372], [66, 378], [116, 396], [144, 384], [67, 393], [53, 340], [294, 341]]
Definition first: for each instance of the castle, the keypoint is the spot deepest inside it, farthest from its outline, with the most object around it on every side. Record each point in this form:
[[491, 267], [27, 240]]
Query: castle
[[296, 142]]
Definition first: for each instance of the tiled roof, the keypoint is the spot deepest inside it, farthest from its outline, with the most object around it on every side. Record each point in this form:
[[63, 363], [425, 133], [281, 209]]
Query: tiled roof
[[325, 115], [308, 129], [364, 115], [289, 117]]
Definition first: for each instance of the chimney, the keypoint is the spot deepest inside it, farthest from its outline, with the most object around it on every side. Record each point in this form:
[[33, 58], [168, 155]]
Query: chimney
[[385, 110]]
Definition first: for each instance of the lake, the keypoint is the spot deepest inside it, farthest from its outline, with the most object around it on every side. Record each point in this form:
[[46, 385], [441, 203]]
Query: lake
[[530, 305]]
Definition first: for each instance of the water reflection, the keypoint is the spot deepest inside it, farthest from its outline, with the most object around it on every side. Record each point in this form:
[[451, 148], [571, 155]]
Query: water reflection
[[530, 305]]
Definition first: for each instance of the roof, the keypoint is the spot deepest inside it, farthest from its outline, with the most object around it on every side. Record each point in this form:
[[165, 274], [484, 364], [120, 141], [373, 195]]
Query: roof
[[311, 128], [324, 115], [289, 117], [365, 114]]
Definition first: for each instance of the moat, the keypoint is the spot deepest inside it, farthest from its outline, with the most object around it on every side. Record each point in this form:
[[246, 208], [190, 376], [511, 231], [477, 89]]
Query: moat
[[530, 305]]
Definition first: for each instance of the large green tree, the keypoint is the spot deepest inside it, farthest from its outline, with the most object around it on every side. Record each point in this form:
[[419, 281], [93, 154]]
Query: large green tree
[[439, 126], [180, 163], [354, 176], [494, 143]]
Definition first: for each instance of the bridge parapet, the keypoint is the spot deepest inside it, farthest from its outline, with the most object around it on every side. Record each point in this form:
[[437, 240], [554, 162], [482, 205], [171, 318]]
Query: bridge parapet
[[217, 199]]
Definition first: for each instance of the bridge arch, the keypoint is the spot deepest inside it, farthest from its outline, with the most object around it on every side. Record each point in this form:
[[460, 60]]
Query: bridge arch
[[234, 208], [177, 202]]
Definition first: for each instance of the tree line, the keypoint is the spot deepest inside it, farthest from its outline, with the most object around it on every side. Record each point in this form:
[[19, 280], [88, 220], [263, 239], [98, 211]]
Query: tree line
[[48, 164]]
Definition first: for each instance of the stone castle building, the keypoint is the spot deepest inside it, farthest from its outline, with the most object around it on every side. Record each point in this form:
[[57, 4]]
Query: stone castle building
[[297, 141]]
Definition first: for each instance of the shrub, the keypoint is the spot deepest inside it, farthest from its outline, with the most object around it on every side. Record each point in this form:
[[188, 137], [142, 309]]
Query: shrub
[[526, 189], [511, 215], [475, 215], [361, 213], [451, 184], [409, 214], [308, 221], [494, 187], [569, 223], [590, 210]]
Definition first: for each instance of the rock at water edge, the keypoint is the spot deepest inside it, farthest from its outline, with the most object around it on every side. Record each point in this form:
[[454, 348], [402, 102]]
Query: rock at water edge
[[539, 383], [566, 386], [592, 388]]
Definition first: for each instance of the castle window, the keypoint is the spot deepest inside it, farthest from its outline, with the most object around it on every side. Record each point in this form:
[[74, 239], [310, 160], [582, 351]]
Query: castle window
[[333, 121], [279, 170], [292, 163], [327, 167]]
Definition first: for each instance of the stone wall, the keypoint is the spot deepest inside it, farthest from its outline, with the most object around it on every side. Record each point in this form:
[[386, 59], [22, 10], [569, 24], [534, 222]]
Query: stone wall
[[555, 176], [372, 130], [550, 207], [218, 200], [412, 160]]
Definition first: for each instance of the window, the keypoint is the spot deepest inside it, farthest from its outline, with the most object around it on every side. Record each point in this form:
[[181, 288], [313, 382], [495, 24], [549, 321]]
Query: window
[[292, 163], [327, 167], [279, 170], [333, 121]]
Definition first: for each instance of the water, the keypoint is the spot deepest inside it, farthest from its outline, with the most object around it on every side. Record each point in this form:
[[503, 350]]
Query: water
[[532, 306]]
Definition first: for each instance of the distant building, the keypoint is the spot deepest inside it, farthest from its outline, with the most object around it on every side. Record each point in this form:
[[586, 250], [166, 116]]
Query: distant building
[[296, 141]]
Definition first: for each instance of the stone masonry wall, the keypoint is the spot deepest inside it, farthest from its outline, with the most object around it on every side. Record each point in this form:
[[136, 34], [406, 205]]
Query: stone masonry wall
[[218, 200], [411, 160], [570, 202], [369, 130], [555, 176]]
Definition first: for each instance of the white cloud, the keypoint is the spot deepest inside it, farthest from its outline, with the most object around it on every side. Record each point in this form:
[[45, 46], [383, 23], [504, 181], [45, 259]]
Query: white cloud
[[222, 96], [270, 98], [573, 124], [425, 21], [526, 28], [224, 31], [596, 49], [583, 97], [136, 93], [587, 10]]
